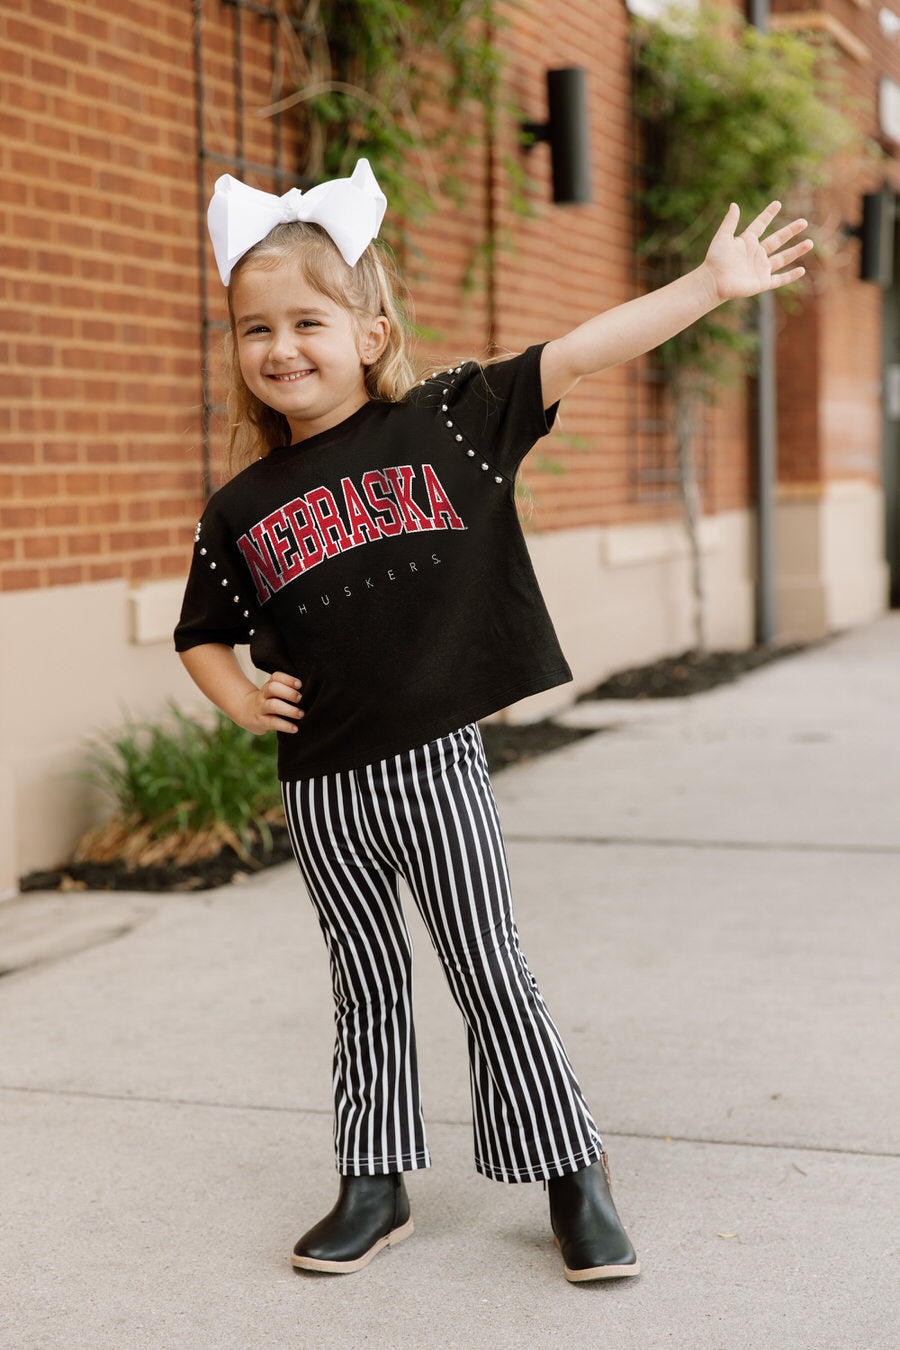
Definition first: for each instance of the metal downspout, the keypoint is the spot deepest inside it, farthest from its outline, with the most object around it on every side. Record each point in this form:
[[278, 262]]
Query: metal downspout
[[766, 437], [205, 391]]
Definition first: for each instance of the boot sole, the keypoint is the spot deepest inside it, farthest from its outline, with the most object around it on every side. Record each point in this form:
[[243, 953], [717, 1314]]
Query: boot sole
[[599, 1272], [347, 1267]]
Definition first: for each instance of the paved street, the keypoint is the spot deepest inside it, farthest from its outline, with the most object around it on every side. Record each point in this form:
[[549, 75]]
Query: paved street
[[708, 891]]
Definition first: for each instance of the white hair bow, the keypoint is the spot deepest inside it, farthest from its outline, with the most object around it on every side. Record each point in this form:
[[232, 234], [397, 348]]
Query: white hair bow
[[350, 209]]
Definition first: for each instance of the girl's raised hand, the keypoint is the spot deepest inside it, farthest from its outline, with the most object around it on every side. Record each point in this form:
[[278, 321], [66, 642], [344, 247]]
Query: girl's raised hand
[[742, 265]]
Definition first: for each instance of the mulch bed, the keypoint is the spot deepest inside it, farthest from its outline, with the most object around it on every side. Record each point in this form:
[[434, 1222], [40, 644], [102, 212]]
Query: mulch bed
[[505, 745], [225, 867], [689, 673]]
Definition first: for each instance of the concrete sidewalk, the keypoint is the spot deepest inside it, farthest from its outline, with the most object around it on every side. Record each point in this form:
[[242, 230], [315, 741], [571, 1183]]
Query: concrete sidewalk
[[709, 893]]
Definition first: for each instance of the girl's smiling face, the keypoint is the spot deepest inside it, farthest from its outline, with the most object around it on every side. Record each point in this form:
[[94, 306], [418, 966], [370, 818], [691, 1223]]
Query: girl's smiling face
[[300, 352]]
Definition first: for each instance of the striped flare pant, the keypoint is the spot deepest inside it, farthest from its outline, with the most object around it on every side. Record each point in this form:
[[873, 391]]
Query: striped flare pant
[[428, 815]]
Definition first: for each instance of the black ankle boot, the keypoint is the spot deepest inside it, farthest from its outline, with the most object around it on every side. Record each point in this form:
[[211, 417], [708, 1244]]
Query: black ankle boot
[[587, 1229], [371, 1213]]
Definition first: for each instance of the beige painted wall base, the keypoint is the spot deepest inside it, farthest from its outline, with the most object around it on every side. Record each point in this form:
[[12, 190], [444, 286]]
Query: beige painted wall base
[[621, 596], [77, 659], [831, 568]]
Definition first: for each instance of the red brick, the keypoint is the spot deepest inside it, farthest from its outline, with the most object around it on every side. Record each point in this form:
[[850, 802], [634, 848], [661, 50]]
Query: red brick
[[107, 571], [82, 484], [76, 544], [50, 13], [39, 228], [16, 386], [18, 517], [17, 452], [58, 452], [70, 49], [12, 126], [90, 86], [34, 354], [13, 191], [61, 515], [49, 73], [14, 62], [139, 569], [90, 25], [33, 419], [17, 258], [55, 262], [57, 387], [97, 330], [19, 579], [102, 452], [41, 546], [102, 513], [37, 486], [32, 36], [69, 575]]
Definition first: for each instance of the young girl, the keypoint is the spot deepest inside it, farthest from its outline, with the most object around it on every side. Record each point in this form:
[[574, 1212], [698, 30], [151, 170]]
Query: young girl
[[372, 558]]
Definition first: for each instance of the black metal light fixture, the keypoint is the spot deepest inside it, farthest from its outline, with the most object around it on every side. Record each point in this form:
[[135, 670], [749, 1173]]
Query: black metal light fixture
[[566, 130], [878, 226], [876, 234]]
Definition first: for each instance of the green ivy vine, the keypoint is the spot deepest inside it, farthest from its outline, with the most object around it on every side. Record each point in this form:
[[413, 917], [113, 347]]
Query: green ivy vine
[[409, 85], [727, 113]]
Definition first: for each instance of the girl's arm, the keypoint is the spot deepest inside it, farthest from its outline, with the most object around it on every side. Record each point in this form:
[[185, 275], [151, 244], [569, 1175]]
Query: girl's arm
[[734, 266], [215, 670]]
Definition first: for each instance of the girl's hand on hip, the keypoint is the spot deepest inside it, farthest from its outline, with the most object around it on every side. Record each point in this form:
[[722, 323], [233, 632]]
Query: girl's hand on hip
[[273, 707], [741, 265]]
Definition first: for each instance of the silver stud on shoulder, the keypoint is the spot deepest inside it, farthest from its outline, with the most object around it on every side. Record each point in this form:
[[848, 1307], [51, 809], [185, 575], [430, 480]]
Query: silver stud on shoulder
[[485, 466], [497, 478]]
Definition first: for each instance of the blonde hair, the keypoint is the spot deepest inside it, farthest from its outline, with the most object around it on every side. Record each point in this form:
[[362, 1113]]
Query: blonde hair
[[371, 289]]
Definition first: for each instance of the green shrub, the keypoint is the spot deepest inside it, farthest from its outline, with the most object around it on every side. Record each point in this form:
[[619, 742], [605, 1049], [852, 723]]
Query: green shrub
[[183, 789], [728, 113]]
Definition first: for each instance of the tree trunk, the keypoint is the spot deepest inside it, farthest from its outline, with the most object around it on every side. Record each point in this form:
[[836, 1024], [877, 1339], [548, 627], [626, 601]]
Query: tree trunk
[[686, 417]]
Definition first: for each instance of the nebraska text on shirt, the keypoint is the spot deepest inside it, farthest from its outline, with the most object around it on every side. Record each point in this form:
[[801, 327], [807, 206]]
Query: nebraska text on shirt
[[319, 525]]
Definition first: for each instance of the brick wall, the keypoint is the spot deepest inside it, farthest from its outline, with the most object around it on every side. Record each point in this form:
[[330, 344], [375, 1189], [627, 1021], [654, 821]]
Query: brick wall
[[101, 308], [100, 340], [829, 352], [99, 313], [572, 261]]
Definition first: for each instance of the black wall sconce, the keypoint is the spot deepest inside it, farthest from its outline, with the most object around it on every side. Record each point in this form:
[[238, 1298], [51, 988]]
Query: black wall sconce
[[877, 234], [566, 130]]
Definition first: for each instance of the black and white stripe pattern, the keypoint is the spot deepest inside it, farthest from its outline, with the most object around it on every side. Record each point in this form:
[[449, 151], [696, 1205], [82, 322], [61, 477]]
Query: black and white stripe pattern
[[429, 816]]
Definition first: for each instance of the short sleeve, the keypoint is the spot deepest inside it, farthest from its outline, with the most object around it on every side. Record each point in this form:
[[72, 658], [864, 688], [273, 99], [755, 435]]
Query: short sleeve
[[498, 408], [216, 606]]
